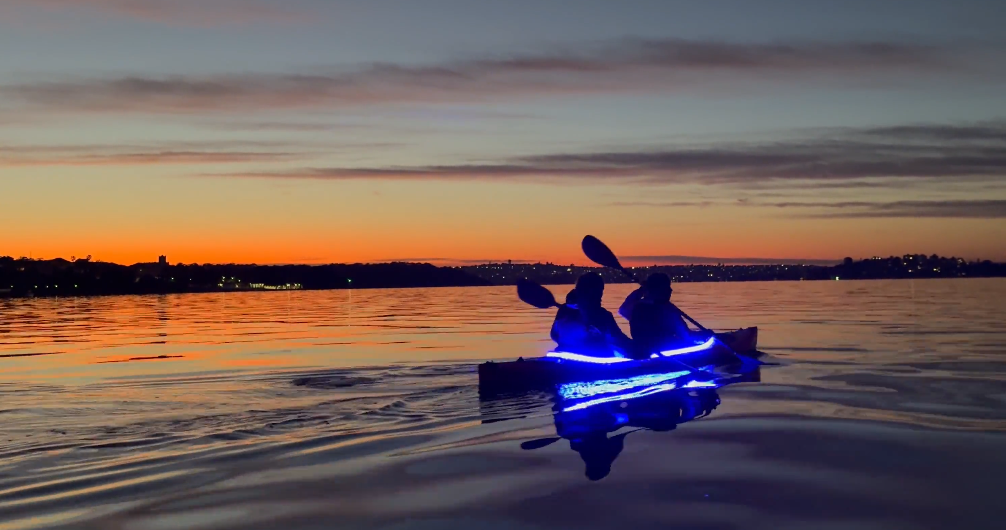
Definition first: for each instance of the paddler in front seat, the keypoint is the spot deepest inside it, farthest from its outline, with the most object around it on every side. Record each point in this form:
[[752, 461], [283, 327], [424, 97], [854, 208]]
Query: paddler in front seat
[[568, 328], [655, 323], [589, 329]]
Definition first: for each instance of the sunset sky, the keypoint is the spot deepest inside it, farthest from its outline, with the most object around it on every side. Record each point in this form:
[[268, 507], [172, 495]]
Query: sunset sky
[[311, 131]]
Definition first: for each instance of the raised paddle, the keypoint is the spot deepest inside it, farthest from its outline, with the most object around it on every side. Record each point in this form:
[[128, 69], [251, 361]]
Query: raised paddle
[[599, 253], [533, 294]]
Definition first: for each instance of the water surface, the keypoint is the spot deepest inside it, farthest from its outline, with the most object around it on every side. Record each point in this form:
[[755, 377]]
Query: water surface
[[884, 407]]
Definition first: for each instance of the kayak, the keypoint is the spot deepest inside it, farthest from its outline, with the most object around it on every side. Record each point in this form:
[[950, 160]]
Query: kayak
[[559, 367]]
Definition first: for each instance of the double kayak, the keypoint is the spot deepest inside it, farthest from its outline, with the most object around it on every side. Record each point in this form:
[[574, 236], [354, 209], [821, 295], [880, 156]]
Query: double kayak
[[720, 352]]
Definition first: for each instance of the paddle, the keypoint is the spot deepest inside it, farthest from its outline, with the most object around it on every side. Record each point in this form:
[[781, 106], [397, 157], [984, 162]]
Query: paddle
[[531, 445], [599, 253], [533, 294]]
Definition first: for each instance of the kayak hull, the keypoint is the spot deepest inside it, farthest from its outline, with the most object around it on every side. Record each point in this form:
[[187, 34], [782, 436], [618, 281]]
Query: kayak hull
[[545, 373], [744, 341]]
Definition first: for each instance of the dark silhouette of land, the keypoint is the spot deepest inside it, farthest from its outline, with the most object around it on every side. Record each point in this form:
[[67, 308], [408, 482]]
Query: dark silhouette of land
[[83, 277], [24, 277], [895, 267]]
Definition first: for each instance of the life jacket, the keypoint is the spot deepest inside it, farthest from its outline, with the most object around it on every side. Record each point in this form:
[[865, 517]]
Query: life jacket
[[657, 327], [574, 332]]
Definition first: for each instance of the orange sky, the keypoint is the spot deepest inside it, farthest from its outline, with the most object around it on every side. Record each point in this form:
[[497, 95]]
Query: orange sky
[[496, 132], [321, 222]]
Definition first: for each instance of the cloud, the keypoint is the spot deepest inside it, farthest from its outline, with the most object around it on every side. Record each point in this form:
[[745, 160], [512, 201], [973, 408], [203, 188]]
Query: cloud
[[961, 209], [668, 65], [182, 152], [887, 157], [704, 260], [176, 12], [449, 261], [167, 153], [992, 132], [285, 126], [668, 204], [149, 158]]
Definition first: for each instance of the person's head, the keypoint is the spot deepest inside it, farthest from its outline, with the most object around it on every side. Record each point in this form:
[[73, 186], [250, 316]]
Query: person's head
[[658, 287], [571, 297], [589, 289]]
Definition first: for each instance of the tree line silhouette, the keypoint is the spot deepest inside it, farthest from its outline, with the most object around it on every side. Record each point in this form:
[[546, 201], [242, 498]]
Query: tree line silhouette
[[83, 277]]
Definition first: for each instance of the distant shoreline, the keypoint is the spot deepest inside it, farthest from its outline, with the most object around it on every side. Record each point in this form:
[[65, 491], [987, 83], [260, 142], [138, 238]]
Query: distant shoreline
[[25, 278], [623, 282]]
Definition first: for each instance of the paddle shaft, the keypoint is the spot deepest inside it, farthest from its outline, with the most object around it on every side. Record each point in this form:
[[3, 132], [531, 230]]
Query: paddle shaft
[[690, 319]]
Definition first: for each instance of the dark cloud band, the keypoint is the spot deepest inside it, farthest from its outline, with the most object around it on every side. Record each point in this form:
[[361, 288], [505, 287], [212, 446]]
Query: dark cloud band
[[891, 157], [668, 65]]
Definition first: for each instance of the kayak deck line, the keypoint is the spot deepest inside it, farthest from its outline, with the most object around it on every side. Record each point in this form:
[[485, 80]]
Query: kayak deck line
[[578, 357], [581, 358]]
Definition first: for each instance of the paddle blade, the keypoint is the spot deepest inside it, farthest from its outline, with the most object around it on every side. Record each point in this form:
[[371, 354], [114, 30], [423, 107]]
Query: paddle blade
[[533, 294], [599, 253], [538, 444]]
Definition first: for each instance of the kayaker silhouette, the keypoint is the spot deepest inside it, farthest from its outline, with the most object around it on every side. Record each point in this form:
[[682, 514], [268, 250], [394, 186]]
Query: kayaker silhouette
[[656, 324], [598, 452], [586, 327], [568, 328]]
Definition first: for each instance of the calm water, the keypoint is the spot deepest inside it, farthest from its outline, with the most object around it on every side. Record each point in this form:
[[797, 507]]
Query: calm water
[[885, 407]]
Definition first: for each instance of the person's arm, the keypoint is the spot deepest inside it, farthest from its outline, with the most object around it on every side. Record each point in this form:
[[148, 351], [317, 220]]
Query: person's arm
[[630, 303], [616, 337]]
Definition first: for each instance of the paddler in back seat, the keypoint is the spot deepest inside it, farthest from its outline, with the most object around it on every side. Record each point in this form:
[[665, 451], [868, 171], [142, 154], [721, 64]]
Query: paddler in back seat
[[655, 323], [587, 328]]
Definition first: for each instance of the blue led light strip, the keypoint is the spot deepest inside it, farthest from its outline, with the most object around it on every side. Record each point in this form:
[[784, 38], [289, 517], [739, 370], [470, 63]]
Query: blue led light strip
[[567, 356], [690, 349]]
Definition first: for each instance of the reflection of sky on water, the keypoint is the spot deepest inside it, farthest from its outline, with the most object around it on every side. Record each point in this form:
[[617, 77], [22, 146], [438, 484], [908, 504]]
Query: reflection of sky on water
[[884, 410]]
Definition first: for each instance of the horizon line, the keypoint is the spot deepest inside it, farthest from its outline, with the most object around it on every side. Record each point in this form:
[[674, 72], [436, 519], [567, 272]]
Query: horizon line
[[653, 261]]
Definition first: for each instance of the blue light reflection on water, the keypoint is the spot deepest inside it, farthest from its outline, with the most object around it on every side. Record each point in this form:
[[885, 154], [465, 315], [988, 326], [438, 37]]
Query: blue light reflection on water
[[588, 389], [647, 391], [702, 384], [610, 391]]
